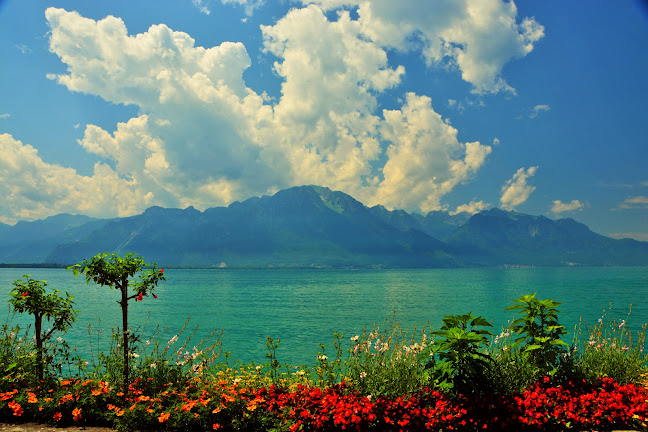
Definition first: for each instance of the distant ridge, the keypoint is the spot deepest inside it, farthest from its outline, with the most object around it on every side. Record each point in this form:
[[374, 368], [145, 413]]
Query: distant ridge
[[313, 226]]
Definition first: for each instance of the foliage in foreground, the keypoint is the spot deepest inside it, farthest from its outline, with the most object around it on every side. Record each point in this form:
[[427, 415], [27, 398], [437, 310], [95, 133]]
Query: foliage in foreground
[[525, 378]]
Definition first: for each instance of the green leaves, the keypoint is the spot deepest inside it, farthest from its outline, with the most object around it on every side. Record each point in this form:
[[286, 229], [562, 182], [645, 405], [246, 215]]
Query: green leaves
[[114, 271], [538, 331], [29, 295], [460, 361]]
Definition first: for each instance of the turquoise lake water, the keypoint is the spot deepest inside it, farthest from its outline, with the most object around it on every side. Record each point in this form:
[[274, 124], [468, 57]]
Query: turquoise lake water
[[305, 307]]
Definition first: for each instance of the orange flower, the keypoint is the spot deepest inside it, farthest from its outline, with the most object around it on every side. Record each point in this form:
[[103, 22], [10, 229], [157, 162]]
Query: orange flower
[[119, 412], [8, 395], [76, 414], [95, 392], [65, 398], [216, 426], [32, 398], [216, 410], [188, 406], [164, 417], [57, 416], [16, 408], [66, 382]]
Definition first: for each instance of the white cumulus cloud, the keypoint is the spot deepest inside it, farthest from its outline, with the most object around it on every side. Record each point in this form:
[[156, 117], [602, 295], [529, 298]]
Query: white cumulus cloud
[[34, 189], [472, 208], [516, 190], [203, 138], [561, 207], [478, 37]]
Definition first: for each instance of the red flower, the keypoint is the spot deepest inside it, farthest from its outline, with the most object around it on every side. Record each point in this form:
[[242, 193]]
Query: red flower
[[140, 297], [57, 416], [25, 294], [154, 296], [161, 270]]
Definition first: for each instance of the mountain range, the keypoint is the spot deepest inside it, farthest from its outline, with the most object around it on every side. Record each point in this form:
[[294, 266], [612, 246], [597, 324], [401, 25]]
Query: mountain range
[[312, 226]]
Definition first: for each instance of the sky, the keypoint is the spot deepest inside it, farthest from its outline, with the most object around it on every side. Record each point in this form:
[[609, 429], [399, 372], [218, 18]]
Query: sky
[[108, 107]]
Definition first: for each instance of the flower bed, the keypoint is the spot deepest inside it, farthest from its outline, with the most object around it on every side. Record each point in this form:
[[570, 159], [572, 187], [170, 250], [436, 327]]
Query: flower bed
[[210, 404]]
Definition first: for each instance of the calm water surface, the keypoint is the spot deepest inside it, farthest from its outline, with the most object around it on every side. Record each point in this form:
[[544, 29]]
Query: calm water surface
[[304, 307]]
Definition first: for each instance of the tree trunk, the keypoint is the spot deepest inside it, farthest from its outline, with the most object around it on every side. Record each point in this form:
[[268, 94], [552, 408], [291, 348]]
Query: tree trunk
[[124, 306], [39, 347]]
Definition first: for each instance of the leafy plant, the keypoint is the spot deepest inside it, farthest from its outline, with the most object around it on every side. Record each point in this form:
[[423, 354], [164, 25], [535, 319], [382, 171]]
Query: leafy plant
[[460, 362], [29, 295], [114, 271], [539, 331]]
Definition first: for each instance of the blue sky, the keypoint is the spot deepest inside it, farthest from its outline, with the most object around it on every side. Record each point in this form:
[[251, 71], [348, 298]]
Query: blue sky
[[110, 107]]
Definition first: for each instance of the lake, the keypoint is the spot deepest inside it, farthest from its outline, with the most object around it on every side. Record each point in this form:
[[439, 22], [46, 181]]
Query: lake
[[303, 307]]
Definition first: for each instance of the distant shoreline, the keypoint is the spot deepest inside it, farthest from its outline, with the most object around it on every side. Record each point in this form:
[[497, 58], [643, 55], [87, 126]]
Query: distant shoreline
[[303, 267]]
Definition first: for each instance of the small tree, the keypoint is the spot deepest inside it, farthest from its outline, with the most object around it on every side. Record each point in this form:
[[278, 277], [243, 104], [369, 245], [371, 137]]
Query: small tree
[[114, 271], [29, 295]]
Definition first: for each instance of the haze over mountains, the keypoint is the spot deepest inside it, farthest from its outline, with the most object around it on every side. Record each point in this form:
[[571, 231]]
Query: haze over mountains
[[314, 226]]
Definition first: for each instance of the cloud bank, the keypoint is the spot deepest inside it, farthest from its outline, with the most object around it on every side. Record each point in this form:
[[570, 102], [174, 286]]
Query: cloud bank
[[203, 138]]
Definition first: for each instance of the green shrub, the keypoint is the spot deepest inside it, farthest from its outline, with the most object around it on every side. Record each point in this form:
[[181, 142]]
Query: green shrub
[[460, 361], [539, 332]]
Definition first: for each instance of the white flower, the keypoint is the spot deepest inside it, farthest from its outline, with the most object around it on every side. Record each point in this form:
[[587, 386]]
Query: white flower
[[355, 338], [153, 365], [363, 375], [173, 340]]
